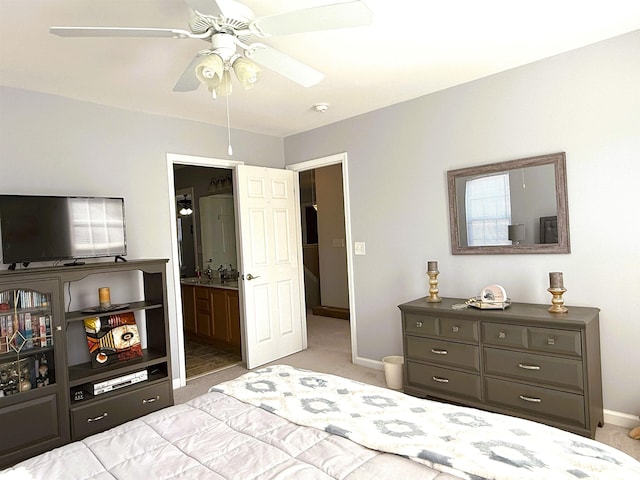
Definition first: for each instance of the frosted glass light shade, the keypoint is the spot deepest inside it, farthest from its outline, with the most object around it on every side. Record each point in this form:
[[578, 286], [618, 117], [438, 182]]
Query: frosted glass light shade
[[225, 88], [247, 72], [210, 71]]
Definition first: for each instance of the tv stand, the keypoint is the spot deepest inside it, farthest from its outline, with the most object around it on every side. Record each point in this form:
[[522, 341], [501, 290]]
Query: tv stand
[[60, 406], [73, 264]]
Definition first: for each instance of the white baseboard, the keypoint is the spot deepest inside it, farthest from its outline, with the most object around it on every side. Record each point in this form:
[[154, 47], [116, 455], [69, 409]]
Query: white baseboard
[[177, 383], [368, 363], [621, 419]]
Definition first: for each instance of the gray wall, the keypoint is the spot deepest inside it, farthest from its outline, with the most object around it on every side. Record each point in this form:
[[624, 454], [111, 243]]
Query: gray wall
[[54, 145], [585, 103]]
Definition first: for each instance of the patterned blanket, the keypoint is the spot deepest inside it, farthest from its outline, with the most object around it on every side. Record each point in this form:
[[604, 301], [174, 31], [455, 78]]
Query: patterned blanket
[[462, 441]]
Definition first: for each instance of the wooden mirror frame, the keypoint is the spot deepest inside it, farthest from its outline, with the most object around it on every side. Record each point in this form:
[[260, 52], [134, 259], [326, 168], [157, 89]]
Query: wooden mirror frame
[[559, 163]]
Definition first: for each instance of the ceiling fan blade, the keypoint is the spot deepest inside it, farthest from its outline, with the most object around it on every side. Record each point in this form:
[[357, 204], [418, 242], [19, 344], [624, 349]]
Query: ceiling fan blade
[[205, 7], [327, 17], [119, 32], [284, 65], [188, 80]]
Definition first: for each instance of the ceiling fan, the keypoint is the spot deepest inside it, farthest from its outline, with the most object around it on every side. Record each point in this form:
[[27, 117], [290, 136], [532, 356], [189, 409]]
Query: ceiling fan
[[229, 25]]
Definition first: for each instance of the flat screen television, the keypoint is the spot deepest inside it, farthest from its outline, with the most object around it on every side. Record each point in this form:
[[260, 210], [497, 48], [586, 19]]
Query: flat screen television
[[37, 228]]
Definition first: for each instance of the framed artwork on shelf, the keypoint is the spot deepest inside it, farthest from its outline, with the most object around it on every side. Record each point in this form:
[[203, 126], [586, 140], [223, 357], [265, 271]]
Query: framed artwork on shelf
[[112, 339]]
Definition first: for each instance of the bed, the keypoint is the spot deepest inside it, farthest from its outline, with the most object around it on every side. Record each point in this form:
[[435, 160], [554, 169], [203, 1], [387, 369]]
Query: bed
[[281, 422]]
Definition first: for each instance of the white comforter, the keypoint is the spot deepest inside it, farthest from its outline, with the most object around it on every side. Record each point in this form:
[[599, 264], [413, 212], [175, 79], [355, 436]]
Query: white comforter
[[467, 442], [216, 437]]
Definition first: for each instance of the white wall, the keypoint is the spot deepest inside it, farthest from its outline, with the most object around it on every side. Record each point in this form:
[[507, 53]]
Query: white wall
[[57, 146], [585, 103]]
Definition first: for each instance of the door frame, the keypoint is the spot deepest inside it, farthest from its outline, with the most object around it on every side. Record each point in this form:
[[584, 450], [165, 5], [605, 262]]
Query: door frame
[[176, 158], [339, 158]]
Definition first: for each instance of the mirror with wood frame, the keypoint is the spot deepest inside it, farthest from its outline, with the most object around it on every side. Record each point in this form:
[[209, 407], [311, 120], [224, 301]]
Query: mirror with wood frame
[[518, 206]]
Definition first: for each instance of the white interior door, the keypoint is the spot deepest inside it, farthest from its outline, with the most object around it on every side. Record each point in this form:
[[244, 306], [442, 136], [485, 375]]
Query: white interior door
[[270, 263]]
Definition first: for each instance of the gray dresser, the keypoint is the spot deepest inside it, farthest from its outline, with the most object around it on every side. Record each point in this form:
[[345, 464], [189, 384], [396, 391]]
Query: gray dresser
[[522, 361]]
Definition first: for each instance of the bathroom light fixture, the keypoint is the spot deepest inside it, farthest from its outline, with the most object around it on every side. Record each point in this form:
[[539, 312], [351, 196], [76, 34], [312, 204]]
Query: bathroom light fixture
[[185, 206]]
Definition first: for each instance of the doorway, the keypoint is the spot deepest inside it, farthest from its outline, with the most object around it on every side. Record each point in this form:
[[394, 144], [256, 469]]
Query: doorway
[[207, 257], [336, 242], [184, 161], [323, 241]]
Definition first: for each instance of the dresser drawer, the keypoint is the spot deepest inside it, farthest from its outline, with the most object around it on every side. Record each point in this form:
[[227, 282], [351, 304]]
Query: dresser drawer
[[504, 335], [421, 324], [443, 352], [444, 380], [562, 372], [102, 415], [459, 329], [553, 404], [555, 341]]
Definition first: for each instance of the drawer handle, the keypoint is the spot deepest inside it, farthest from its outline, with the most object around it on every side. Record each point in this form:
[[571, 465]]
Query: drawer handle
[[150, 400], [502, 335], [530, 399], [455, 329], [438, 351], [440, 379], [99, 417], [551, 341], [529, 367], [418, 324]]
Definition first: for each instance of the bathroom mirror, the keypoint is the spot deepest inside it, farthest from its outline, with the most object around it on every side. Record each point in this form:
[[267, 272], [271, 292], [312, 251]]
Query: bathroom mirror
[[518, 206]]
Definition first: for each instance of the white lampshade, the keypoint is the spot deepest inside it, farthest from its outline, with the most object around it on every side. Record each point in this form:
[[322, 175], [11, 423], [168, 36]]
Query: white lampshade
[[247, 72], [210, 71]]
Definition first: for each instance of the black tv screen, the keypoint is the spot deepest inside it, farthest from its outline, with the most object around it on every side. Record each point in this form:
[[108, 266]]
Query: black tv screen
[[41, 228]]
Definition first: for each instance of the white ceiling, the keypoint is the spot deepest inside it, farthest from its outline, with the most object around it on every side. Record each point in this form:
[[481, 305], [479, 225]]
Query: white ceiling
[[413, 47]]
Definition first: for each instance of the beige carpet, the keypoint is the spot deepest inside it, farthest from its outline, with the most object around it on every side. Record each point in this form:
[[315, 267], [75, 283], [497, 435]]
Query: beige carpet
[[330, 352]]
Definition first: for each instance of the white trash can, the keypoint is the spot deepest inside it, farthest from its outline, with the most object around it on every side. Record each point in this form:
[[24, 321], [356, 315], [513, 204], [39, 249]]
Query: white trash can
[[393, 367]]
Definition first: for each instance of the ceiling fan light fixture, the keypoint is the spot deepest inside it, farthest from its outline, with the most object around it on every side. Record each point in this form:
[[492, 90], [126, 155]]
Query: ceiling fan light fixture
[[248, 73]]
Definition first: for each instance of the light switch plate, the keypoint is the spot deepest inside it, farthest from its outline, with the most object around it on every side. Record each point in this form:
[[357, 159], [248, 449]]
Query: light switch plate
[[359, 248]]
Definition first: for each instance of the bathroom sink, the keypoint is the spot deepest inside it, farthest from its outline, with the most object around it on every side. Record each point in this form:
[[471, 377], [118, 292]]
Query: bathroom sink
[[205, 282]]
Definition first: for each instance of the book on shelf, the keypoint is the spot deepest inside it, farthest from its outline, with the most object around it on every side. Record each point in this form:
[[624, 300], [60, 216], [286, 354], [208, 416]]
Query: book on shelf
[[47, 329], [4, 338], [112, 339], [42, 329], [28, 331]]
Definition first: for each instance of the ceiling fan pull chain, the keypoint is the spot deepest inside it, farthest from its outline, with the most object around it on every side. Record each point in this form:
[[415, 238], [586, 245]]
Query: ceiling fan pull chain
[[230, 150]]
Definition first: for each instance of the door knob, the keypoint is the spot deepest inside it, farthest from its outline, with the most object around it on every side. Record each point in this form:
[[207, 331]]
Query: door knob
[[251, 277]]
